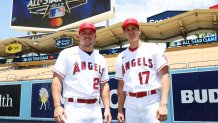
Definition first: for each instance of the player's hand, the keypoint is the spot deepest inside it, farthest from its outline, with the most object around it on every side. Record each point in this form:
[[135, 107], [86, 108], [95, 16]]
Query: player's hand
[[60, 115], [162, 112], [107, 117], [120, 117]]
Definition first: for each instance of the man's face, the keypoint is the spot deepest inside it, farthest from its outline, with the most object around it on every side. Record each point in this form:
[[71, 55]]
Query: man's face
[[87, 38], [132, 33]]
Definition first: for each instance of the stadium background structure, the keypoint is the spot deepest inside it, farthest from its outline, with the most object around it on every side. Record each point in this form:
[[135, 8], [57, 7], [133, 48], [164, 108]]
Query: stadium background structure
[[196, 58]]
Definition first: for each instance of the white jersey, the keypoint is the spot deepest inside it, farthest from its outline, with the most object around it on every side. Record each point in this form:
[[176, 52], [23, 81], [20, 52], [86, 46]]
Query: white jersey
[[82, 73], [139, 69]]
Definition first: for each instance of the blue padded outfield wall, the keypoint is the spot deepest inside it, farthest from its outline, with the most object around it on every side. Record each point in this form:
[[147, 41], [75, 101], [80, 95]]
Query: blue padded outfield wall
[[193, 98]]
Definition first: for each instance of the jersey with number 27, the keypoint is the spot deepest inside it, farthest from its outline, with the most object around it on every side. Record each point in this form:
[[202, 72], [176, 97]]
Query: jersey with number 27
[[139, 68], [82, 73]]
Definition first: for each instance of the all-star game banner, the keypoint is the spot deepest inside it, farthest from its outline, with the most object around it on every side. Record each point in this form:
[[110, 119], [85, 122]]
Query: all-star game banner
[[55, 14]]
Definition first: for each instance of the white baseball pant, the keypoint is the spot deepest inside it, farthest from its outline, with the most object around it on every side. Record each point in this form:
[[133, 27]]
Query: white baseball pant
[[83, 113], [142, 110]]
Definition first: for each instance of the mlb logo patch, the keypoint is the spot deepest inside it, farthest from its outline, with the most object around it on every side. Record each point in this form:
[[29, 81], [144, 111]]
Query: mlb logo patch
[[57, 12]]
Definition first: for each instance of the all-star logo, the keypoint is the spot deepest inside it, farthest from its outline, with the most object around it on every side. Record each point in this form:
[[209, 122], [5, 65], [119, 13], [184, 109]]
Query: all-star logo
[[53, 8]]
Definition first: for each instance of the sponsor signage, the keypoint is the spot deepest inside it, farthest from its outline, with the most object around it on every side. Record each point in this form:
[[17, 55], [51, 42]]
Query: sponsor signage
[[188, 42], [162, 16], [36, 58], [111, 51], [195, 96], [63, 42], [13, 48], [55, 15], [42, 102], [10, 96]]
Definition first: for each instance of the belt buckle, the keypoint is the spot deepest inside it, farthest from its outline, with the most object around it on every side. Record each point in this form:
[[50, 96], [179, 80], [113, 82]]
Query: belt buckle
[[75, 99], [136, 94], [148, 93]]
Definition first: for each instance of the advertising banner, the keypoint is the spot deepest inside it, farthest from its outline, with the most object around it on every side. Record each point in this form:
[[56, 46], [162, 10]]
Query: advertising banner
[[189, 42], [13, 48], [63, 42], [10, 97], [163, 15], [195, 96], [54, 15], [42, 102], [111, 51]]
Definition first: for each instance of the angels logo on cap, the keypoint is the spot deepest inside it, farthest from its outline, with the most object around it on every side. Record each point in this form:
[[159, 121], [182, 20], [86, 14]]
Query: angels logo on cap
[[87, 25], [130, 21]]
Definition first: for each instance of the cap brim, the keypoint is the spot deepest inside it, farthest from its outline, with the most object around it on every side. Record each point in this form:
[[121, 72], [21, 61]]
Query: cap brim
[[130, 24], [87, 28]]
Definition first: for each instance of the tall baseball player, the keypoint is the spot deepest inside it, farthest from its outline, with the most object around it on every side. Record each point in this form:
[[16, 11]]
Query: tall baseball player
[[82, 72], [143, 79]]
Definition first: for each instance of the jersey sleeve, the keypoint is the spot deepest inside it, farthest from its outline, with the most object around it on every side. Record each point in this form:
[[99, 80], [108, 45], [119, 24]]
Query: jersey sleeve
[[104, 75], [159, 57], [119, 73], [60, 66]]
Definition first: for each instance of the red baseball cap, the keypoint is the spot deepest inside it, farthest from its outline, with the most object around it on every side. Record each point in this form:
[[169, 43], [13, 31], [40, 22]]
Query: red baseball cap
[[87, 25], [130, 21]]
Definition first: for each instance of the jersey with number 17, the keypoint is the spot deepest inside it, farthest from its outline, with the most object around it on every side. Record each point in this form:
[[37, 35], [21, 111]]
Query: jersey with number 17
[[82, 73], [139, 68]]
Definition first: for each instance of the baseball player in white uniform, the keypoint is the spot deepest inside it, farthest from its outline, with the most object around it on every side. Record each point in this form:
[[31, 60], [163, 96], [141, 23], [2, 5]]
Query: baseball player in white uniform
[[82, 72], [143, 79]]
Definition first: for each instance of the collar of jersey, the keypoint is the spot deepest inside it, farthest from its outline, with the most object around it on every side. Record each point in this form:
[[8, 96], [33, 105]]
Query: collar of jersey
[[133, 49]]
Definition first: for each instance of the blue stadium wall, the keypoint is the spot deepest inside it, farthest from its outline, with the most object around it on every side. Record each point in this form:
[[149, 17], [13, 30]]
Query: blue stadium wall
[[31, 101]]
